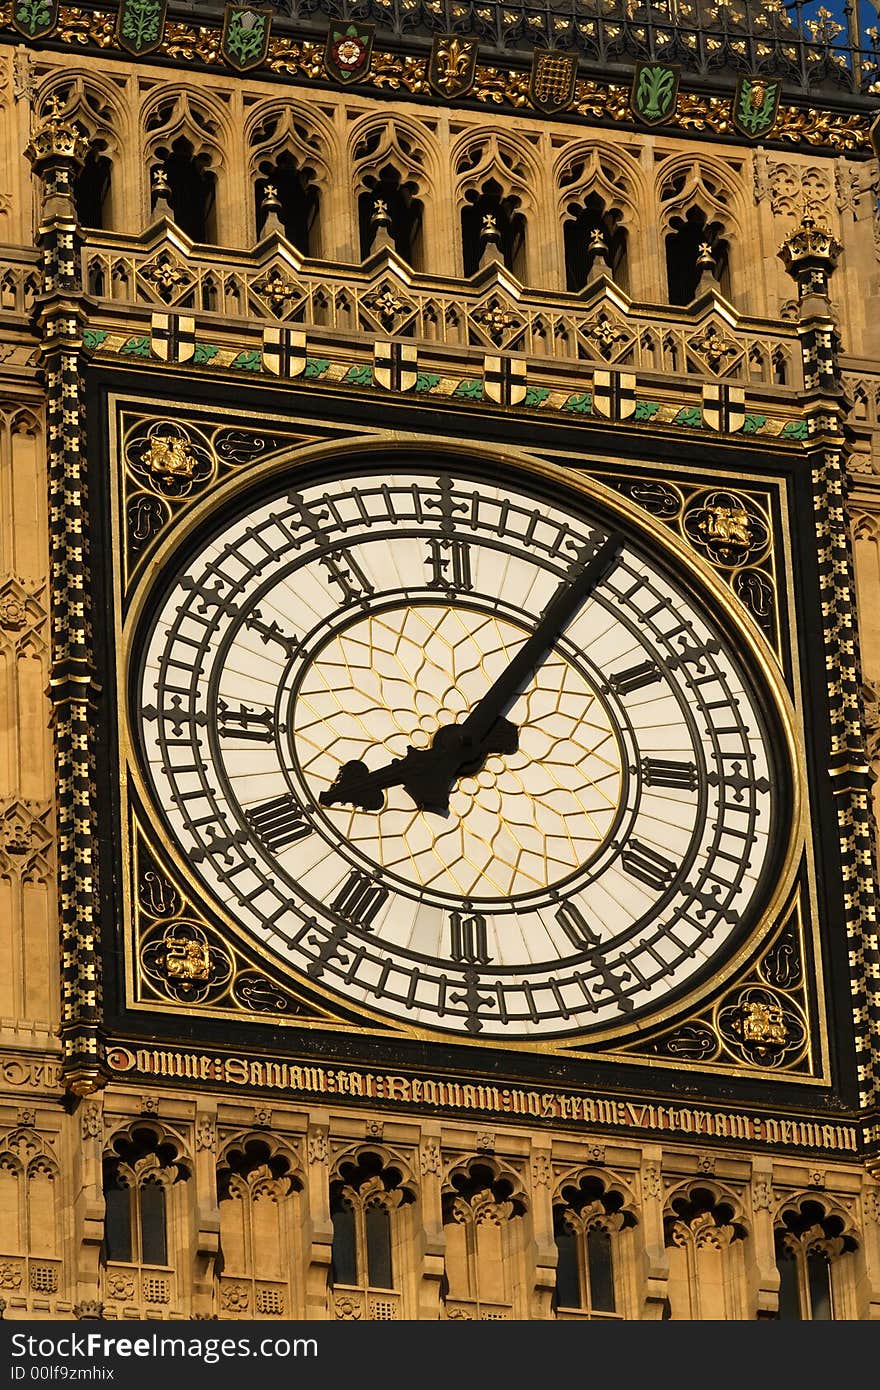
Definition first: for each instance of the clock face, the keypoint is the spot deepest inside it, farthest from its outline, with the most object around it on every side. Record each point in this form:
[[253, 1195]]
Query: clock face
[[443, 748]]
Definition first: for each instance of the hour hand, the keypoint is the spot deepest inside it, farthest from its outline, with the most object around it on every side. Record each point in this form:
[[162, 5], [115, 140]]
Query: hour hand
[[427, 775], [421, 773]]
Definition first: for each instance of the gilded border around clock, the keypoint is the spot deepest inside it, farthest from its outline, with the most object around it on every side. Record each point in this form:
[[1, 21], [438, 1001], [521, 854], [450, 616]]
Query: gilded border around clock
[[366, 442]]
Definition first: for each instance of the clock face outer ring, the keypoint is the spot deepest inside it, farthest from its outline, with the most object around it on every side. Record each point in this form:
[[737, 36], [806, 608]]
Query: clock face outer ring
[[595, 504]]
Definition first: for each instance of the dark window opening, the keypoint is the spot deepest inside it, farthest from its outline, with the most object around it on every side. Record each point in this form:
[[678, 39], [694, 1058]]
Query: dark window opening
[[579, 230], [192, 189], [390, 201], [298, 200], [684, 247], [117, 1221], [819, 1284], [343, 1253], [568, 1279], [377, 1220], [600, 1270], [789, 1287], [91, 191], [154, 1249], [505, 222]]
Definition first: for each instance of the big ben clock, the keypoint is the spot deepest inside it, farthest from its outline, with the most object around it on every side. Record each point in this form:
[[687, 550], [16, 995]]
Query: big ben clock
[[469, 753]]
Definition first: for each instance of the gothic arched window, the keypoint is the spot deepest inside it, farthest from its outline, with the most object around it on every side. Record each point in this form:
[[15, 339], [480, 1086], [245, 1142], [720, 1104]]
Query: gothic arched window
[[389, 203], [297, 200], [191, 189], [364, 1200], [587, 1221], [482, 1219], [138, 1175], [595, 242], [810, 1247], [694, 245], [260, 1229], [705, 1245], [491, 220]]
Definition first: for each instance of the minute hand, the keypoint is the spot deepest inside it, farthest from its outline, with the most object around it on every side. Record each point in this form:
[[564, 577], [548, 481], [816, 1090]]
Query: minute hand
[[558, 614]]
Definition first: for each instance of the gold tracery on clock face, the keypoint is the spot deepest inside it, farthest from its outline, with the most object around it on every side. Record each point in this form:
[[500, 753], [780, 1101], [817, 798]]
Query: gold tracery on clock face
[[525, 820]]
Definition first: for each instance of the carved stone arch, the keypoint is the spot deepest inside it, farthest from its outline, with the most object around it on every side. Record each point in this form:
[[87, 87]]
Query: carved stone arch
[[44, 1165], [466, 1177], [585, 165], [711, 1213], [11, 1163], [292, 154], [25, 1146], [96, 107], [258, 1156], [172, 111], [484, 153], [408, 144], [865, 526], [600, 197], [277, 126], [815, 1241], [804, 1210], [587, 1183], [699, 207], [396, 181], [359, 1165], [93, 101], [682, 182], [186, 137], [705, 1239], [24, 421], [144, 1135], [594, 1216]]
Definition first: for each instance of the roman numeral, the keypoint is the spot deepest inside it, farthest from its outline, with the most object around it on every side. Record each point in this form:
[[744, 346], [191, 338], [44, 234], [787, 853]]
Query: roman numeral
[[279, 822], [665, 772], [648, 865], [625, 682], [271, 632], [574, 924], [245, 722], [584, 939], [345, 571], [450, 563], [469, 939], [360, 899]]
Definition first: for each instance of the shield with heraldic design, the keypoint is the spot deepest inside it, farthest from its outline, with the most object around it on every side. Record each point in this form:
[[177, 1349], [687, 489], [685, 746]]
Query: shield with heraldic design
[[140, 25], [654, 92], [452, 66], [755, 106], [349, 51], [245, 40], [551, 84]]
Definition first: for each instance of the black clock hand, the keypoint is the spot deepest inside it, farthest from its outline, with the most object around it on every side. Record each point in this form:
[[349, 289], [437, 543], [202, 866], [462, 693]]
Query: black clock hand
[[428, 774], [558, 614]]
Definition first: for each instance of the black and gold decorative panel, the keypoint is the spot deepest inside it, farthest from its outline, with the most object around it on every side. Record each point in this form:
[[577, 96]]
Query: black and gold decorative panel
[[495, 754]]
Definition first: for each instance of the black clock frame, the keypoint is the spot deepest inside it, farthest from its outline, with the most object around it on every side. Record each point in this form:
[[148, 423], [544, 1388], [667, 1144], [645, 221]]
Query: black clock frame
[[584, 446]]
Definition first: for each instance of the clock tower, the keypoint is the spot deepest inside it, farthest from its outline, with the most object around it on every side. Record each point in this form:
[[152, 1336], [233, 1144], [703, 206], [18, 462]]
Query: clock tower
[[440, 662]]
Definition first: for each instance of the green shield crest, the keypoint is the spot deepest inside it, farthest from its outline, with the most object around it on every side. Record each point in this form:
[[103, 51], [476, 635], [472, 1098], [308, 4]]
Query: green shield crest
[[654, 92], [34, 18], [755, 105], [245, 38], [140, 25]]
